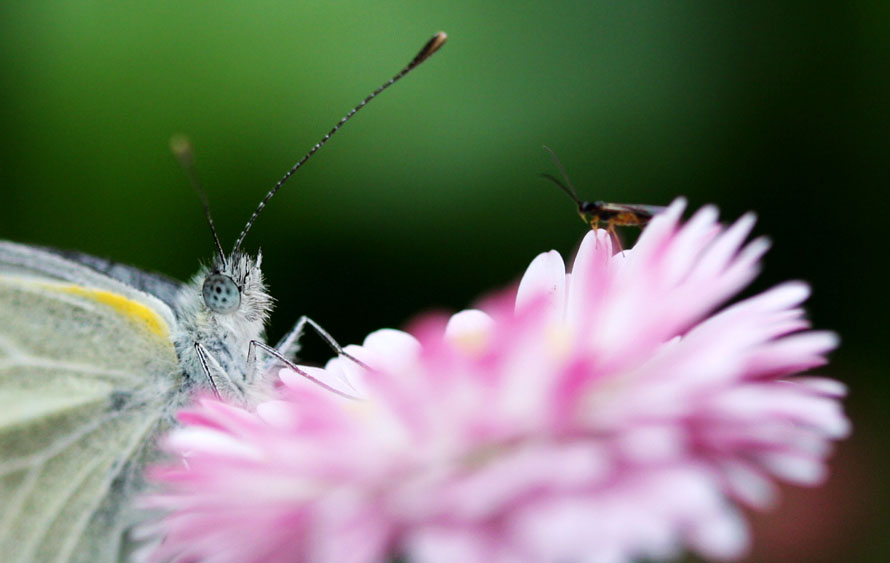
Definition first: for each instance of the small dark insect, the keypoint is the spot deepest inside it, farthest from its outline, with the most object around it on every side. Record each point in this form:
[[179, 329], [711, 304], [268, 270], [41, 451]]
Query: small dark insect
[[595, 212]]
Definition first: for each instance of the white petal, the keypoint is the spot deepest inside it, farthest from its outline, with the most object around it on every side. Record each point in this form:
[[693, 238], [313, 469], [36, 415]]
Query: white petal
[[687, 246], [722, 536], [470, 330], [278, 413], [799, 469], [192, 438], [545, 278], [750, 485], [725, 247], [823, 386]]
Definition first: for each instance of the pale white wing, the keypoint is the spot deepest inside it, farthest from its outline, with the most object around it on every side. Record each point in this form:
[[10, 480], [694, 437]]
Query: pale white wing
[[24, 260], [158, 285], [88, 375]]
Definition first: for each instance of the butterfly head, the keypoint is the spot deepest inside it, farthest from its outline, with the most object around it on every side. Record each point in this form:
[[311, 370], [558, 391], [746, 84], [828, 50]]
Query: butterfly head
[[220, 312], [235, 287], [221, 293], [232, 290]]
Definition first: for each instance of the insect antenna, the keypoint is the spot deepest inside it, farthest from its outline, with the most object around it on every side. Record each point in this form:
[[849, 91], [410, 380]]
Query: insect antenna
[[431, 47], [565, 188], [568, 188], [182, 150]]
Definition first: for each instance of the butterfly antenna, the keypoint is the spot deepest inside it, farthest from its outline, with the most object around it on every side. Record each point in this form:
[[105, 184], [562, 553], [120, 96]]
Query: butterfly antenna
[[431, 47], [182, 150]]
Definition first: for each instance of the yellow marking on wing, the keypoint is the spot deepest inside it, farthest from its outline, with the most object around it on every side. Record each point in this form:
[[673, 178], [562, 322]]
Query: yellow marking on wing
[[135, 311]]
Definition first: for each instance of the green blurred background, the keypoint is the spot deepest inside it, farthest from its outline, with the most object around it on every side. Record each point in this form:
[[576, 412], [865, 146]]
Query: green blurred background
[[431, 197]]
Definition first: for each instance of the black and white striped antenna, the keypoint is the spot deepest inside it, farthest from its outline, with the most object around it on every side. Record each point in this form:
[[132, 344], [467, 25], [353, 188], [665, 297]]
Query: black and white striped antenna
[[182, 150], [431, 47]]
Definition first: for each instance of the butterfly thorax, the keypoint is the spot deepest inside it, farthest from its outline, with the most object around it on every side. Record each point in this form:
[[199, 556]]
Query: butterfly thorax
[[221, 310]]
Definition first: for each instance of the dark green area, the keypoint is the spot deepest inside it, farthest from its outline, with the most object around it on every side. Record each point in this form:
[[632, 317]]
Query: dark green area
[[431, 197]]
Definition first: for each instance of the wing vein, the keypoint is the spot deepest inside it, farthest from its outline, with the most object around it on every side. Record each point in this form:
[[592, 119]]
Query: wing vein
[[31, 361], [13, 507], [42, 526], [55, 448], [139, 441]]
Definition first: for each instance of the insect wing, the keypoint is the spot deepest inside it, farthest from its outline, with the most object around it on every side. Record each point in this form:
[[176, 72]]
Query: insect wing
[[158, 285], [87, 368], [645, 212], [152, 290]]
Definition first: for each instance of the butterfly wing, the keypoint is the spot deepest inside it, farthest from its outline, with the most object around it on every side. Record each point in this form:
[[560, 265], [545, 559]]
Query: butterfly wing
[[157, 285], [154, 290], [88, 373]]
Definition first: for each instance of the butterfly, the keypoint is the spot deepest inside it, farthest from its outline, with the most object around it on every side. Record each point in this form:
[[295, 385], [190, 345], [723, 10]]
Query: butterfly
[[95, 359]]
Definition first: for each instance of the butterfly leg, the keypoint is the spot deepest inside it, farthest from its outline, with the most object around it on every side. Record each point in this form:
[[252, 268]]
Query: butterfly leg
[[202, 357], [209, 364], [289, 345], [251, 360], [286, 349]]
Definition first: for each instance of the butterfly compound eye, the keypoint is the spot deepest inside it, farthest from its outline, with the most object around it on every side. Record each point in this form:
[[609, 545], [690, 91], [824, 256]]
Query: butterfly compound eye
[[221, 294]]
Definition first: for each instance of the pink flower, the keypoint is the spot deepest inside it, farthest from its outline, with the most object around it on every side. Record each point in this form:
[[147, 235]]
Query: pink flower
[[614, 413]]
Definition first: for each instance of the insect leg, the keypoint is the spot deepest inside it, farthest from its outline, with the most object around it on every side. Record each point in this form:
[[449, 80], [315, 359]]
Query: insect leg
[[288, 345], [209, 364], [202, 357], [251, 354], [614, 235]]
